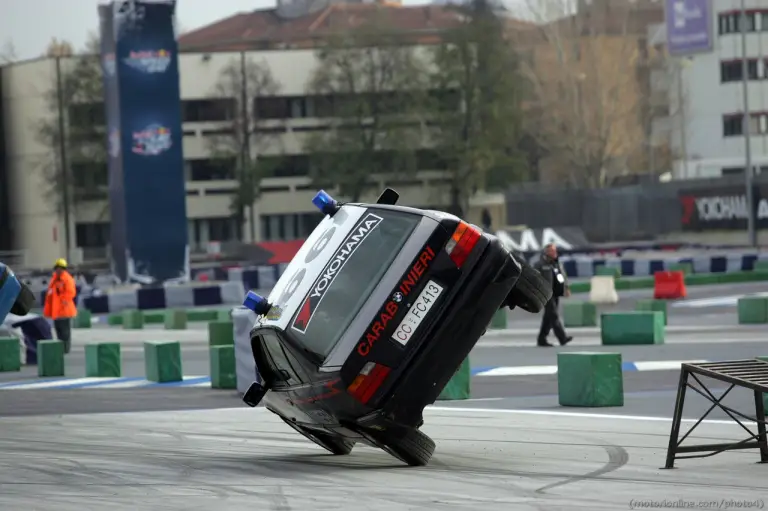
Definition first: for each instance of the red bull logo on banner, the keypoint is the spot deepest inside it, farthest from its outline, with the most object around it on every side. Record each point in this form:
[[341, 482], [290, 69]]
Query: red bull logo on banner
[[149, 61], [152, 140]]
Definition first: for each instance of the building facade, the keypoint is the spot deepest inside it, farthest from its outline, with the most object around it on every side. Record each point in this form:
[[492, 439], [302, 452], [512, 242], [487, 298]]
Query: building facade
[[283, 211], [706, 101]]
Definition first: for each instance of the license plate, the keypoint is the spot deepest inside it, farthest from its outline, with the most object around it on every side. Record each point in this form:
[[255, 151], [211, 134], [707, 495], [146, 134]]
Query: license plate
[[417, 312]]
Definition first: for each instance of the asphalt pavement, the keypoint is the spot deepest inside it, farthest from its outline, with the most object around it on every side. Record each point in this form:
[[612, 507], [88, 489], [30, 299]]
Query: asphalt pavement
[[248, 459], [510, 371]]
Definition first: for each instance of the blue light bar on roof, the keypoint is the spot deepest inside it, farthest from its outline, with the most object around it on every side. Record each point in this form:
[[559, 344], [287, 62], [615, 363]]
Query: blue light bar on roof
[[325, 203], [256, 303]]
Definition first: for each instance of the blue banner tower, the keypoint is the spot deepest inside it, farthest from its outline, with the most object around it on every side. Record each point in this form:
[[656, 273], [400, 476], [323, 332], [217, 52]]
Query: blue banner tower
[[146, 165]]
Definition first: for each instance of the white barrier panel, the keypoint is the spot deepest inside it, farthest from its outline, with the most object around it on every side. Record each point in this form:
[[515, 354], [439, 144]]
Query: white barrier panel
[[603, 289], [243, 320]]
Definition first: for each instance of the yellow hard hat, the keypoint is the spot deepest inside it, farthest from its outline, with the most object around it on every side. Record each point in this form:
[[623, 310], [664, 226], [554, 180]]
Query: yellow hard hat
[[60, 263]]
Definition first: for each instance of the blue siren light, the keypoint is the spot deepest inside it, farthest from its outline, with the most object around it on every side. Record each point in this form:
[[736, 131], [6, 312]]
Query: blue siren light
[[256, 303], [325, 203]]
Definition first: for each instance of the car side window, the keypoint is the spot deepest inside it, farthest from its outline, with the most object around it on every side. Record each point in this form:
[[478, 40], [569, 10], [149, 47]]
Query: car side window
[[284, 366]]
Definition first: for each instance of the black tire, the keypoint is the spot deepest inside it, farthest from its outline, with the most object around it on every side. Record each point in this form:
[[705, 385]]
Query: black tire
[[332, 444], [531, 292], [409, 445]]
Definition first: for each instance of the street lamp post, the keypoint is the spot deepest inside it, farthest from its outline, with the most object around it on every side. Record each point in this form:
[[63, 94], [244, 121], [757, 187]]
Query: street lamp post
[[747, 135]]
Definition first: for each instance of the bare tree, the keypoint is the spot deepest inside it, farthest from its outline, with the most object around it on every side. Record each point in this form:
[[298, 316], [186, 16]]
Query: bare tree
[[369, 88], [477, 96], [587, 101], [73, 131], [8, 53], [241, 83]]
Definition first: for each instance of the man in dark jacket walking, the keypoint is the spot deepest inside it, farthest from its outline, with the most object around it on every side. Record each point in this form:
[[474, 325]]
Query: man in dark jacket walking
[[550, 268]]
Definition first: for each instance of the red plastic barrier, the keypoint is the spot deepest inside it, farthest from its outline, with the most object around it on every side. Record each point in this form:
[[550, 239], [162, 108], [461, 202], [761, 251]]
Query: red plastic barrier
[[669, 285]]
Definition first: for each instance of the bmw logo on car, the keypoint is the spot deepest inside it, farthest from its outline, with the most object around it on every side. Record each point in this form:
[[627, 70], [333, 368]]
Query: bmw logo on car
[[397, 297]]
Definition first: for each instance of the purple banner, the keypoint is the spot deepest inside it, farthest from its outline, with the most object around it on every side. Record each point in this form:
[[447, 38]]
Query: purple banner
[[689, 26]]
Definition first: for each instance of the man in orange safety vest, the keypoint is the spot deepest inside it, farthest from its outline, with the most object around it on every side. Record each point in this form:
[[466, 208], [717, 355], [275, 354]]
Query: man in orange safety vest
[[60, 302]]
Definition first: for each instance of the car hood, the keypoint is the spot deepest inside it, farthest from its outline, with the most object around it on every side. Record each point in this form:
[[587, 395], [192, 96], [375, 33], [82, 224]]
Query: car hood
[[300, 275]]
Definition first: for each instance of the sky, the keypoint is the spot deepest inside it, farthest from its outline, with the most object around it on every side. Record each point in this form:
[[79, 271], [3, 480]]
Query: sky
[[29, 25]]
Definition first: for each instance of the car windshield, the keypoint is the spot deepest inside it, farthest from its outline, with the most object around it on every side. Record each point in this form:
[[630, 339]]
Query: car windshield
[[356, 280]]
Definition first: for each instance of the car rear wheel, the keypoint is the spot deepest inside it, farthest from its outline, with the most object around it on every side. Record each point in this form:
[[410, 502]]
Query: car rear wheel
[[531, 292], [409, 445], [334, 445]]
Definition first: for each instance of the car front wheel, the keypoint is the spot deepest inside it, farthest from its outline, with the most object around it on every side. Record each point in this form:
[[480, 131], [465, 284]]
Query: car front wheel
[[409, 445]]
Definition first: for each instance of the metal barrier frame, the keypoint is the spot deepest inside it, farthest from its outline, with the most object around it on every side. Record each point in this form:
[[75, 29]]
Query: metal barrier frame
[[751, 374]]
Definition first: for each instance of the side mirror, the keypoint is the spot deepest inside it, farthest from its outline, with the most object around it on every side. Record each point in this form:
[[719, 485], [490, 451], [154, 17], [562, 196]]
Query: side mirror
[[254, 394], [389, 197]]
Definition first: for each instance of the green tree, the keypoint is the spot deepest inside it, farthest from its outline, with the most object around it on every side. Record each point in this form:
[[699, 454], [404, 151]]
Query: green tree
[[369, 89], [74, 168], [477, 97], [241, 83]]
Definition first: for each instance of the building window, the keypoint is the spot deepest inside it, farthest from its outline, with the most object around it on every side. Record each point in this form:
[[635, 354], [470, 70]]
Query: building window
[[288, 227], [733, 125], [208, 110], [730, 22], [92, 235], [275, 107], [210, 170], [205, 230], [87, 115], [731, 70], [286, 166]]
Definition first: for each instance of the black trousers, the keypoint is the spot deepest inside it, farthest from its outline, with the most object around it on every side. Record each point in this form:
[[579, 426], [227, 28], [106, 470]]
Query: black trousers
[[551, 321], [63, 329]]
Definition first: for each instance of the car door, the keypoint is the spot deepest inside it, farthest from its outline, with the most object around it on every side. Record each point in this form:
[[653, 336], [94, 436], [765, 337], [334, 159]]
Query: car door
[[288, 378]]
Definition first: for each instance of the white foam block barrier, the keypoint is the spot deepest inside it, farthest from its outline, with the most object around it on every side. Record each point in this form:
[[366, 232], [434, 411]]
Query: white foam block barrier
[[243, 320], [603, 289]]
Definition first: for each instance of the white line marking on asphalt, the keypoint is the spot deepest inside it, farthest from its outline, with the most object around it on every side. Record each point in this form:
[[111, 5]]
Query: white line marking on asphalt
[[663, 365], [579, 414], [57, 384]]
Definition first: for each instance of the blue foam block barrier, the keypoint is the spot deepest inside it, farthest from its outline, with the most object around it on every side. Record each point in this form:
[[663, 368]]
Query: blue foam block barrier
[[151, 298]]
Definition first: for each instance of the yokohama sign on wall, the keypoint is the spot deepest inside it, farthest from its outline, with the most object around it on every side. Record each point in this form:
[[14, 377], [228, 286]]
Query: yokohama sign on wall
[[721, 209]]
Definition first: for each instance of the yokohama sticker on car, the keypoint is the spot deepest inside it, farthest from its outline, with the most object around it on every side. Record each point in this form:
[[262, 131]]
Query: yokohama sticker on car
[[347, 248]]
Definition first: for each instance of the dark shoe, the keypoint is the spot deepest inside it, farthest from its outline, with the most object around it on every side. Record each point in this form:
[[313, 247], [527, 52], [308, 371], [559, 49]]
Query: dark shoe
[[543, 344], [566, 340]]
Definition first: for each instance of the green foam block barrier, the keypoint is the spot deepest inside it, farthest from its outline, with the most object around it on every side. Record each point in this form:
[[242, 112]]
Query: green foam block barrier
[[590, 379], [752, 310], [156, 317], [458, 387], [653, 305], [83, 319], [638, 327], [176, 319], [115, 319], [133, 320], [50, 358], [102, 360], [221, 333], [579, 314], [195, 315], [760, 266], [223, 367], [10, 354], [608, 271], [162, 361], [499, 319], [224, 315]]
